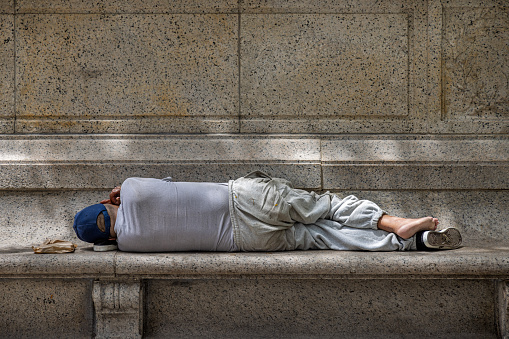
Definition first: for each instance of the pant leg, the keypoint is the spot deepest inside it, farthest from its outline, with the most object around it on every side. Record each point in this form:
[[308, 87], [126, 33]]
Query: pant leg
[[275, 202], [353, 212], [268, 214], [351, 224], [330, 234], [264, 210]]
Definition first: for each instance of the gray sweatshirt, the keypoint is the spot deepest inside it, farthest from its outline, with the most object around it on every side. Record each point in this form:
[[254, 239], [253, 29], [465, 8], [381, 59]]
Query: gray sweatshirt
[[157, 215]]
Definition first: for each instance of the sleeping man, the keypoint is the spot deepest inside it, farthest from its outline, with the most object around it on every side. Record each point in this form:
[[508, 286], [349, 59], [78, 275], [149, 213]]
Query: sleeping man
[[252, 213]]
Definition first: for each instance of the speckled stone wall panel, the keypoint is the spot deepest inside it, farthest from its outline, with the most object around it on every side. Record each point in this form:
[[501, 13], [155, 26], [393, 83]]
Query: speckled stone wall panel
[[308, 66], [29, 218], [46, 308], [127, 73], [7, 6], [122, 6], [476, 63], [6, 73], [320, 308], [466, 65]]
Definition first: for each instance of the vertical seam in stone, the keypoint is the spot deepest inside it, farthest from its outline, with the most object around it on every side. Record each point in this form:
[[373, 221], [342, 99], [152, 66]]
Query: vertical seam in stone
[[14, 92], [239, 100], [442, 64], [115, 264], [409, 50], [322, 188]]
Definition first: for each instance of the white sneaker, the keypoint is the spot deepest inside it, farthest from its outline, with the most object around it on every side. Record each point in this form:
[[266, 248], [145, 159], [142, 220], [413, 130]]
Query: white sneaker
[[446, 239]]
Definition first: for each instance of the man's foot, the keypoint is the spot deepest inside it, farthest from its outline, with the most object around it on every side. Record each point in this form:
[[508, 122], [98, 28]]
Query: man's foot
[[406, 228], [447, 239]]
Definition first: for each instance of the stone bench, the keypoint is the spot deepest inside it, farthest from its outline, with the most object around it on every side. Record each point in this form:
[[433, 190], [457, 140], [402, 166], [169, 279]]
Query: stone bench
[[448, 294]]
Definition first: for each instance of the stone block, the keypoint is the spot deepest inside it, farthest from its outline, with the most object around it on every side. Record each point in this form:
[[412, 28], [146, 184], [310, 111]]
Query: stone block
[[127, 73], [6, 72], [106, 176], [19, 260], [503, 309], [436, 162], [131, 6], [79, 162], [474, 262], [467, 60], [313, 6], [183, 148], [7, 6], [314, 66], [415, 148], [475, 63], [414, 176], [46, 308], [286, 308]]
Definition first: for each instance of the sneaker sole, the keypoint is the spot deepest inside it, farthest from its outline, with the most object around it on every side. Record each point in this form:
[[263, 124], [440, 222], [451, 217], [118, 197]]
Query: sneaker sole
[[446, 239], [105, 248]]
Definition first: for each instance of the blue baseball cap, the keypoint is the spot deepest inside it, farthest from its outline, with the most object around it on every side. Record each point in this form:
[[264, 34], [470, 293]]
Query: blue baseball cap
[[85, 224]]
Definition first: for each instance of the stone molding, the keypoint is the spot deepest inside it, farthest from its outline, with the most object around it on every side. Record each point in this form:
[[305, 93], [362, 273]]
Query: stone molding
[[356, 162], [118, 308], [115, 270]]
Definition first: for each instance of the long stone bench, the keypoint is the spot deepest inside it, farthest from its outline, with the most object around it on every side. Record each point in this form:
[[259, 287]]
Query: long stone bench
[[451, 294]]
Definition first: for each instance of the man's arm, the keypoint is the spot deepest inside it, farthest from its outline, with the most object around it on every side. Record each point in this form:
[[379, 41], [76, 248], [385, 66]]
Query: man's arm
[[114, 197]]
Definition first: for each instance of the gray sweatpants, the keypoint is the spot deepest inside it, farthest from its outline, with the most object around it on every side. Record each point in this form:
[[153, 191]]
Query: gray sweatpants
[[350, 225], [268, 214]]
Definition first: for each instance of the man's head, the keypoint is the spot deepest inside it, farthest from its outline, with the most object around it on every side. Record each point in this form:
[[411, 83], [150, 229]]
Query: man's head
[[96, 223]]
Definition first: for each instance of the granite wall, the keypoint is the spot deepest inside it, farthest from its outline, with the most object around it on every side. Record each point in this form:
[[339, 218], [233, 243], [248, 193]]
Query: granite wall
[[254, 66]]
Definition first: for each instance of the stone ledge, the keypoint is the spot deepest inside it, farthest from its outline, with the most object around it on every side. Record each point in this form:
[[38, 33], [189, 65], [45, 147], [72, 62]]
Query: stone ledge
[[483, 262], [309, 161], [84, 263]]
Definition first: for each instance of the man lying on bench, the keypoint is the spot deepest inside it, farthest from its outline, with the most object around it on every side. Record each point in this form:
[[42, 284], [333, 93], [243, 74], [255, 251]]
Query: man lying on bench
[[252, 213]]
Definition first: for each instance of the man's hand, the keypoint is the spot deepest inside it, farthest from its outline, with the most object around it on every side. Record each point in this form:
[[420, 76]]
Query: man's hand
[[114, 197]]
